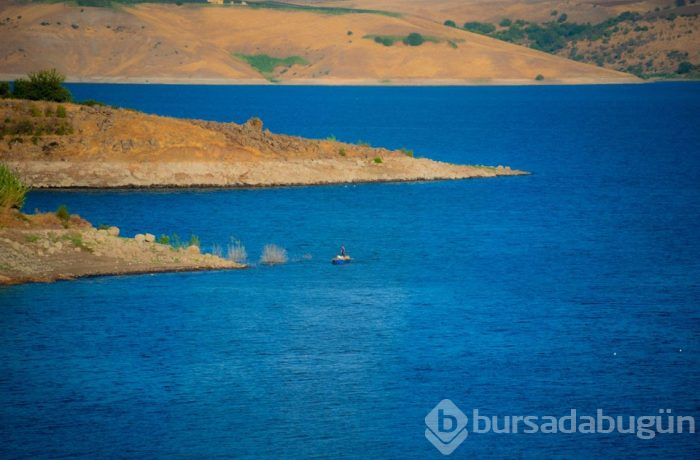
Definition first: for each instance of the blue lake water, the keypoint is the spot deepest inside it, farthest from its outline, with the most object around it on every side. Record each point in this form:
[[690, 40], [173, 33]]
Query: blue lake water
[[574, 288]]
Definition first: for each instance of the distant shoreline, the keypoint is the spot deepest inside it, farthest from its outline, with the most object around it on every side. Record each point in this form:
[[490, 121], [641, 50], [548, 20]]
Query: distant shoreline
[[199, 81]]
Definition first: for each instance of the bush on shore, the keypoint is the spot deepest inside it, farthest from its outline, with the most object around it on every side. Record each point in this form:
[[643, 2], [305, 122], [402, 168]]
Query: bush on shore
[[44, 85], [63, 213], [12, 190]]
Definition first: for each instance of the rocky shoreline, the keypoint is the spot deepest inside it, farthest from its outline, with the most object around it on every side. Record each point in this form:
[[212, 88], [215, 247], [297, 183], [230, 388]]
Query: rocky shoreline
[[45, 248], [206, 174]]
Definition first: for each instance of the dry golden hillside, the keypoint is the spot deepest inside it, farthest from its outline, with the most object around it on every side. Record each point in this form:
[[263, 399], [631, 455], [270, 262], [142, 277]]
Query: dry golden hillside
[[495, 10], [192, 43], [657, 40]]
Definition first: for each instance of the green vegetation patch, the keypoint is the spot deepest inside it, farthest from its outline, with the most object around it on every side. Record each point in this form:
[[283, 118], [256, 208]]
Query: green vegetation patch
[[44, 85], [12, 190], [550, 36], [319, 9], [63, 213], [112, 3], [484, 28], [412, 39], [561, 36], [266, 65]]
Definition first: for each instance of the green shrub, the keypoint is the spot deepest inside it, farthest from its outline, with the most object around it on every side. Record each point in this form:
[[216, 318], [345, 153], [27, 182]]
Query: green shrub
[[450, 23], [539, 77], [34, 111], [175, 241], [484, 28], [194, 240], [267, 64], [77, 240], [341, 152], [61, 111], [4, 89], [23, 127], [378, 160], [163, 239], [92, 103], [684, 67], [12, 190], [414, 39], [407, 152], [505, 22], [45, 85], [384, 40], [101, 3], [63, 213]]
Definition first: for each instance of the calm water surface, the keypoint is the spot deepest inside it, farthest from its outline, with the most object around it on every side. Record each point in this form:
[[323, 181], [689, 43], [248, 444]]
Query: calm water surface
[[574, 288]]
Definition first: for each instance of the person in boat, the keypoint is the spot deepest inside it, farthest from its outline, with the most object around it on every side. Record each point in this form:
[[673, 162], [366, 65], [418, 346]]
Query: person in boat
[[342, 252]]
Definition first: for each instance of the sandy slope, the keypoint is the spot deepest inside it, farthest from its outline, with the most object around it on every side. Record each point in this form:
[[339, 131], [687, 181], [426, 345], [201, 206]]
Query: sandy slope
[[196, 44], [106, 147]]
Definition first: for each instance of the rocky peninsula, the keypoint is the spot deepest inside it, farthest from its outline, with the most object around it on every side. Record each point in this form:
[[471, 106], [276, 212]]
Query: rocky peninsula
[[54, 145], [45, 248]]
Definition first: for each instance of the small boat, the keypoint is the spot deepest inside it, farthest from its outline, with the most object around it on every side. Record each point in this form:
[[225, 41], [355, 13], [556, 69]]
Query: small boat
[[341, 260]]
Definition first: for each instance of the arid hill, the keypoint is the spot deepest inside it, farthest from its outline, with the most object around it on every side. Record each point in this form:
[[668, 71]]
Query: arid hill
[[52, 145], [657, 37], [240, 44]]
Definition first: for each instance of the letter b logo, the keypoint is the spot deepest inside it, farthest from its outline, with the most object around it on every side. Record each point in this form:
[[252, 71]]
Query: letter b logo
[[447, 427], [442, 418]]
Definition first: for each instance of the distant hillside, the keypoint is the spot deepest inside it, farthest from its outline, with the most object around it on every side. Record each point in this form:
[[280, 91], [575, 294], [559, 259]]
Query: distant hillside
[[648, 38], [268, 42]]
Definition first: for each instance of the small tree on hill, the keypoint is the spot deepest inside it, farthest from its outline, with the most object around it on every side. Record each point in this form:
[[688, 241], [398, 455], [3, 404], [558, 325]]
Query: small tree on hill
[[414, 39], [450, 23], [45, 85], [684, 67], [4, 89]]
